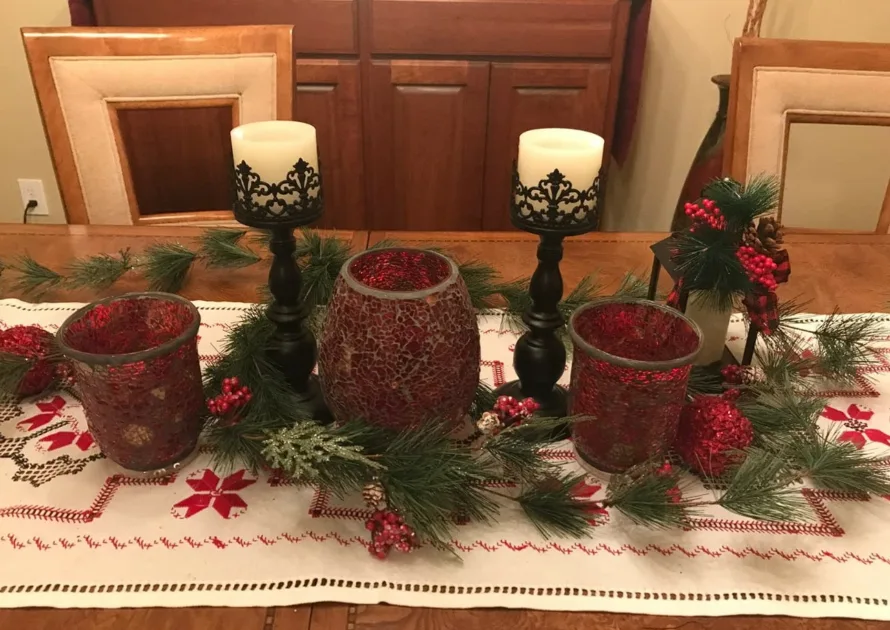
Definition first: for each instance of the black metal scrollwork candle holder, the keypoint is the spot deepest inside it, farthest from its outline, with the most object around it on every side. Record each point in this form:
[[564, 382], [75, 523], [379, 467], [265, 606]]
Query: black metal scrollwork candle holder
[[553, 209], [280, 208]]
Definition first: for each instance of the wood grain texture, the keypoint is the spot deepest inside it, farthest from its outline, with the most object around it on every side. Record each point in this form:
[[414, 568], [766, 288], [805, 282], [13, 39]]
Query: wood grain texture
[[171, 172], [328, 96], [292, 618], [426, 126], [330, 617], [559, 28], [135, 619], [752, 53], [527, 96], [830, 270], [41, 45], [320, 26], [399, 618], [55, 246]]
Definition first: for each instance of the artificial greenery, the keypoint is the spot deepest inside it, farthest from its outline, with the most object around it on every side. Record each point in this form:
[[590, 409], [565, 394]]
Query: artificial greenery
[[706, 258]]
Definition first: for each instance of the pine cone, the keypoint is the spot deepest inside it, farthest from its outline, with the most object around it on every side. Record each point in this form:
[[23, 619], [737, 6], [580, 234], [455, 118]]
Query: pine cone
[[373, 494], [751, 238], [771, 235]]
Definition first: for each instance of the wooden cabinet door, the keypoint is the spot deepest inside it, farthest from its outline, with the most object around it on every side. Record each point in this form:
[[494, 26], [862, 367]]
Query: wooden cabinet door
[[529, 96], [426, 144], [328, 96]]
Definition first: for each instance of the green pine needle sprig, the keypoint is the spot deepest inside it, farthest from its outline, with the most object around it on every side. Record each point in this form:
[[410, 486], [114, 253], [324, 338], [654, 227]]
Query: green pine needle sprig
[[220, 248], [321, 258], [13, 369], [650, 498], [484, 400], [166, 266], [33, 278], [759, 489], [776, 413], [554, 510], [100, 271], [840, 466], [634, 286], [482, 283], [743, 203]]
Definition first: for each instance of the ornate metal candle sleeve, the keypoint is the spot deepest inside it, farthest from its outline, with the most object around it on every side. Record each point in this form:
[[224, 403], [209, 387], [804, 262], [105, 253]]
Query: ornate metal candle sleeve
[[547, 203], [278, 188]]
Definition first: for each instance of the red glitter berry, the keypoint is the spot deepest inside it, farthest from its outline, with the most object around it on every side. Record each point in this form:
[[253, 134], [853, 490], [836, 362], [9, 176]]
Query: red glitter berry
[[712, 432], [36, 345]]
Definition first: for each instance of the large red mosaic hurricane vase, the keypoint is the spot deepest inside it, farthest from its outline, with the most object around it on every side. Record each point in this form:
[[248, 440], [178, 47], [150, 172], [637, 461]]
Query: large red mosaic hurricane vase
[[400, 344], [630, 369], [136, 366]]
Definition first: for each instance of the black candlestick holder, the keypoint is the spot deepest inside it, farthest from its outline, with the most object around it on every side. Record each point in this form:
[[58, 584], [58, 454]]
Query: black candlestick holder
[[553, 209], [280, 208]]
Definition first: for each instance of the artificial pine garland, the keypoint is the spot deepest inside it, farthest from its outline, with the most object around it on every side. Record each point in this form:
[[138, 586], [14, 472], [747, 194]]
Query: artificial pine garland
[[423, 482]]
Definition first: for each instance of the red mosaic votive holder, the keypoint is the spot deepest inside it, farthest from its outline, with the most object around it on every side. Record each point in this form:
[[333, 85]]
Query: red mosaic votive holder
[[400, 345], [630, 368], [136, 367]]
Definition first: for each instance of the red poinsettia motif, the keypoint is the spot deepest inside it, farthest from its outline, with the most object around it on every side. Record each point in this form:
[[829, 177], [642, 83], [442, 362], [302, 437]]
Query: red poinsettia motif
[[209, 490], [51, 410], [60, 439], [856, 419], [583, 491]]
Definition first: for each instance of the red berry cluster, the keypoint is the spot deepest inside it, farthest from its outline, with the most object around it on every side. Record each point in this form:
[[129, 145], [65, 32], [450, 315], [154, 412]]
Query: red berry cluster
[[760, 267], [389, 530], [233, 397], [734, 374], [709, 215], [510, 410]]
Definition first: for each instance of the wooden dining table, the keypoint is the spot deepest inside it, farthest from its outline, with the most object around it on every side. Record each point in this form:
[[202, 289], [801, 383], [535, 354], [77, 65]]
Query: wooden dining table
[[844, 272]]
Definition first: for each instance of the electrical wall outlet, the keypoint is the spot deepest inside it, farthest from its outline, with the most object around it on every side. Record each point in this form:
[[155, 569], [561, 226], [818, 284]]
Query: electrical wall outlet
[[32, 190]]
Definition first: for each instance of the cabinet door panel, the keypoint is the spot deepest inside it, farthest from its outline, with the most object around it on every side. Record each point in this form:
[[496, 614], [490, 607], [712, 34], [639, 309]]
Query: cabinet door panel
[[426, 148], [328, 96], [529, 96]]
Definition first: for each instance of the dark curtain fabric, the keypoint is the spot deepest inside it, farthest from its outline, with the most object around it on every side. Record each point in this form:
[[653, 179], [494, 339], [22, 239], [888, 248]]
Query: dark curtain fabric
[[631, 79], [82, 13]]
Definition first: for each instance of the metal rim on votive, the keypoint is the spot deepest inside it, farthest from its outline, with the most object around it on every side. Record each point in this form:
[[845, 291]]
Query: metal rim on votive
[[130, 357], [636, 364]]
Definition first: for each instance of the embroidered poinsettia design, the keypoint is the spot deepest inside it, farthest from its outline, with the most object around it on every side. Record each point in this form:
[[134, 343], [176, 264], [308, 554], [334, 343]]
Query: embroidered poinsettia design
[[583, 491], [50, 411], [856, 420], [82, 440], [209, 490]]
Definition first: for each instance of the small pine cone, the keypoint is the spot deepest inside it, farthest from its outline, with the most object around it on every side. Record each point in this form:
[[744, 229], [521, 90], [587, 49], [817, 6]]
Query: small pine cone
[[373, 494], [770, 234], [751, 238]]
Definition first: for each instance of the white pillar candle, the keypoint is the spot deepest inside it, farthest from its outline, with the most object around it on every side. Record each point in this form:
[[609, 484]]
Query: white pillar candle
[[714, 324], [577, 154], [271, 149]]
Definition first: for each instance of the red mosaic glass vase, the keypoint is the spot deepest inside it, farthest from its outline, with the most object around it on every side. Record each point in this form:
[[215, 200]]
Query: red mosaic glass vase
[[400, 345], [136, 367], [630, 369]]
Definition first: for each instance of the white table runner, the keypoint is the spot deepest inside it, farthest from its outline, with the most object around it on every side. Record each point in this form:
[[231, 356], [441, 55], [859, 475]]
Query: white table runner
[[75, 534]]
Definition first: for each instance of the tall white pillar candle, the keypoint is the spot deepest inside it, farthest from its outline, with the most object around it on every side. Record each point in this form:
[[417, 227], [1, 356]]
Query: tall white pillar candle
[[577, 154], [272, 148]]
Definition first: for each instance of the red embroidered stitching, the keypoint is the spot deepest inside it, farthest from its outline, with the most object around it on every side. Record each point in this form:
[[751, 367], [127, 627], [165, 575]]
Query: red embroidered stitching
[[96, 509], [827, 526]]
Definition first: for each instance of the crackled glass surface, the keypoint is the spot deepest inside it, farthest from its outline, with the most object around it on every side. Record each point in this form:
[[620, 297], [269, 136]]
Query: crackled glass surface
[[136, 367], [400, 344], [630, 368]]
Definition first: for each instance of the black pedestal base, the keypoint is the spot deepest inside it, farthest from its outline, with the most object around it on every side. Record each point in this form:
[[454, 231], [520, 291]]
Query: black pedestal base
[[313, 401]]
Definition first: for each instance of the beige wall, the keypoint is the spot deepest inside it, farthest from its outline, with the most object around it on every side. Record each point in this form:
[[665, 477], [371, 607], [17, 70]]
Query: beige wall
[[23, 154], [689, 40]]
